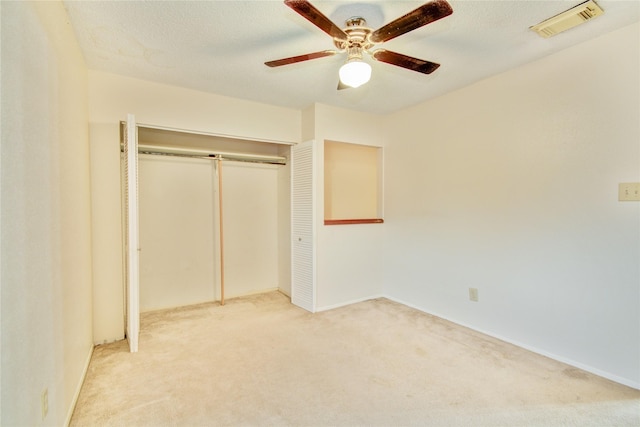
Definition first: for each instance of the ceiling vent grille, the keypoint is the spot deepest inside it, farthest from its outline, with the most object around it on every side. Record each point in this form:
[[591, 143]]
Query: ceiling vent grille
[[573, 17]]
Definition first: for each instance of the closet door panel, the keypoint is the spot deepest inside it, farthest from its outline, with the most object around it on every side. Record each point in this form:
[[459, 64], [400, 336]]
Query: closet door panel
[[177, 259], [131, 231], [250, 216], [303, 264]]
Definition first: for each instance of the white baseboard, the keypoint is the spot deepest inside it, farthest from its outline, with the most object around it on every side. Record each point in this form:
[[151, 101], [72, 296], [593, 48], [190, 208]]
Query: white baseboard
[[591, 369], [78, 388], [343, 304], [250, 293], [283, 292]]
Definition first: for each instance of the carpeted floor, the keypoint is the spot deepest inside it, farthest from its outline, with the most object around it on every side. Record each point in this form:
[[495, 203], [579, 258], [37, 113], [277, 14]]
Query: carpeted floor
[[260, 361]]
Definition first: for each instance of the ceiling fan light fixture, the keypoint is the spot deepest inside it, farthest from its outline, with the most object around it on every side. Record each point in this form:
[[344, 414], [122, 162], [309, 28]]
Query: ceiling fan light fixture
[[357, 39], [355, 72]]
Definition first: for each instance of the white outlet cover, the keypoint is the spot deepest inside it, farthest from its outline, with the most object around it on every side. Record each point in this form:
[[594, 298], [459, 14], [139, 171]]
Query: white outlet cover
[[629, 191]]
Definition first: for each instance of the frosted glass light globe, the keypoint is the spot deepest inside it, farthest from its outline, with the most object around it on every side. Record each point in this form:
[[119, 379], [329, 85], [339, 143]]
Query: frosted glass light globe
[[355, 73]]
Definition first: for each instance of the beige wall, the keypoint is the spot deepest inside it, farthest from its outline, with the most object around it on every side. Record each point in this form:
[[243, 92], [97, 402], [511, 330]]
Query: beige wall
[[111, 97], [351, 183], [349, 257], [177, 231], [510, 186], [284, 224], [250, 213], [46, 244], [180, 237]]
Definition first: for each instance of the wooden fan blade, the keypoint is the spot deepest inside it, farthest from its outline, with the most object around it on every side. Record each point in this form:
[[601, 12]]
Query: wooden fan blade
[[300, 58], [404, 61], [425, 14], [313, 15]]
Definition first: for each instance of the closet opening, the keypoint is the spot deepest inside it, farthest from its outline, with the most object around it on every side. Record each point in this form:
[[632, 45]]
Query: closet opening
[[214, 217]]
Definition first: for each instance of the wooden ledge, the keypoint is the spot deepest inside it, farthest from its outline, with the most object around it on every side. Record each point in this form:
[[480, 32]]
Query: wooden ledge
[[353, 221]]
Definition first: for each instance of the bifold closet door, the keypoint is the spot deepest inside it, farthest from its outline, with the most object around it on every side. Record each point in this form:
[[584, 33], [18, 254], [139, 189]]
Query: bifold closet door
[[178, 202], [131, 230], [250, 227], [303, 263]]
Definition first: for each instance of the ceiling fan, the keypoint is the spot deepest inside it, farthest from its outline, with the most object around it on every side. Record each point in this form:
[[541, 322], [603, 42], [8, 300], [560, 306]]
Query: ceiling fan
[[357, 38]]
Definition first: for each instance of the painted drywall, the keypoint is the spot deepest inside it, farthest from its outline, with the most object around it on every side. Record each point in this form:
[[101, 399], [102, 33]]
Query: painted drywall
[[351, 181], [349, 257], [111, 97], [284, 224], [250, 217], [177, 231], [46, 232], [106, 233], [179, 108], [510, 186]]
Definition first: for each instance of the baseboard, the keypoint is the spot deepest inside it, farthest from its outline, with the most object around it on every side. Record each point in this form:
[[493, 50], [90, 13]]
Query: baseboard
[[250, 293], [78, 388], [343, 304], [283, 292], [587, 368]]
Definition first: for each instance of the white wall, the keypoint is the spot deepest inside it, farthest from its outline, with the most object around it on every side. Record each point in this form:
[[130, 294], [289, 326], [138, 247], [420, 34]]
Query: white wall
[[250, 217], [177, 231], [46, 233], [284, 224], [351, 181], [349, 257], [111, 97], [510, 186]]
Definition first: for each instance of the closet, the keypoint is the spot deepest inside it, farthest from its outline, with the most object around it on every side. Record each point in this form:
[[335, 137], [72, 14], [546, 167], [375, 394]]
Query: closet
[[177, 231], [214, 217]]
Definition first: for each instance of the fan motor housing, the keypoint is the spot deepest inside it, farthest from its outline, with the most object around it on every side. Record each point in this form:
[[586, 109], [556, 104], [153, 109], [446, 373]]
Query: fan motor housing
[[358, 35]]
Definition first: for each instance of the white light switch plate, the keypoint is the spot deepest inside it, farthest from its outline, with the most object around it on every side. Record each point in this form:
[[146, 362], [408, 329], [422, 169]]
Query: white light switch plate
[[629, 191]]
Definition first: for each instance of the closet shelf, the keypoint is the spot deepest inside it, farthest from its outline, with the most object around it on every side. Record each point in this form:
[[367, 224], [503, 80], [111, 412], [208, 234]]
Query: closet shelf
[[353, 221]]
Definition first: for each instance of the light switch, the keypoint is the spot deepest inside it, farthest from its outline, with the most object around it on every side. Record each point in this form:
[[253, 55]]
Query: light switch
[[629, 192]]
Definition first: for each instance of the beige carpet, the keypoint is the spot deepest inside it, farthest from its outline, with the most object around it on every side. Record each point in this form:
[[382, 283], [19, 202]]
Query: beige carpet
[[261, 361]]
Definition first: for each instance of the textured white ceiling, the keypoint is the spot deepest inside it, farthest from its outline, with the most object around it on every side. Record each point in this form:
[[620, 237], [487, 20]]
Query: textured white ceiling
[[221, 46]]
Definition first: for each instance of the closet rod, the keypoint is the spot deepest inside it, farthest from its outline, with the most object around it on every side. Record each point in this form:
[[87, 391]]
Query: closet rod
[[194, 152]]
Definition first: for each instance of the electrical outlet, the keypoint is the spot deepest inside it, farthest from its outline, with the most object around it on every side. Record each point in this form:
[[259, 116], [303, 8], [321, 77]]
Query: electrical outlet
[[473, 294], [45, 403], [629, 191]]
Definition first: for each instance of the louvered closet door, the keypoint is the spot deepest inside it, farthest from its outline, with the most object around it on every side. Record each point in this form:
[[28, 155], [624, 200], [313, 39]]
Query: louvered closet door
[[303, 292]]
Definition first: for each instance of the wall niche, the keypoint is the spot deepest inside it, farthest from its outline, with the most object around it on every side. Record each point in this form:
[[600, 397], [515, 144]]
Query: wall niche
[[352, 183]]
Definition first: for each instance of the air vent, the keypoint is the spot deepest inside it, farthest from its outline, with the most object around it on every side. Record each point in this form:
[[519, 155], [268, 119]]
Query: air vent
[[573, 17]]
